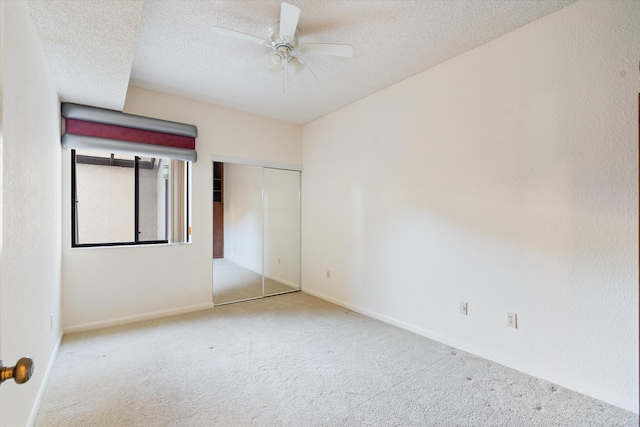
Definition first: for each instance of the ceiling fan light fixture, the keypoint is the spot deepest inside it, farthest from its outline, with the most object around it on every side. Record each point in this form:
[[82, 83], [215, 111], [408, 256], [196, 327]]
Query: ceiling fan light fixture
[[295, 65], [275, 61]]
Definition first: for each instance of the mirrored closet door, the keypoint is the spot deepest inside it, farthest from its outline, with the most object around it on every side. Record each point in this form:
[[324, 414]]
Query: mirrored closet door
[[281, 204], [256, 232]]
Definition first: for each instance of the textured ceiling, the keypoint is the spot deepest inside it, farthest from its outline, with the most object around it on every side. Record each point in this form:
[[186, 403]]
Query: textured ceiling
[[89, 46], [97, 48]]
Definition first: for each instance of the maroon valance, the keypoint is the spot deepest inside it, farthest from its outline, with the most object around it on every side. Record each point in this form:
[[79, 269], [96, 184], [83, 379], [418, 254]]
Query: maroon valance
[[107, 130], [79, 127]]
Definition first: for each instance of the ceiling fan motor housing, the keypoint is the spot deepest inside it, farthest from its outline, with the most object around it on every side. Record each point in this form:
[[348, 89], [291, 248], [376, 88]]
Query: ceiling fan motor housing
[[277, 42], [282, 49]]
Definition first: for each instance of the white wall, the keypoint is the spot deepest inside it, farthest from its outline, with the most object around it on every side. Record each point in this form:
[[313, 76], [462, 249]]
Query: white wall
[[506, 177], [106, 285], [243, 215], [30, 252]]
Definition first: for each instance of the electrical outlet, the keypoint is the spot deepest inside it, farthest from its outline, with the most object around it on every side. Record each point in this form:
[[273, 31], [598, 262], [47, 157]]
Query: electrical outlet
[[463, 308], [328, 274], [279, 261], [512, 320]]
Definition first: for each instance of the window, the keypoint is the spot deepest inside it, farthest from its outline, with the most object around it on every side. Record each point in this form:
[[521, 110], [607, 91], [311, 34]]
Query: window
[[122, 199]]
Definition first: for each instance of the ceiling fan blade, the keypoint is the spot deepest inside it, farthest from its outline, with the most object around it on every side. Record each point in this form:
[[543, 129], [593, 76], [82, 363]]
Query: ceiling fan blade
[[306, 75], [289, 15], [345, 50], [239, 35]]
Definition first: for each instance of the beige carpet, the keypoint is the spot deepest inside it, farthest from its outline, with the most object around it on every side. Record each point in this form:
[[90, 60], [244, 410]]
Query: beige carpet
[[232, 282], [295, 360]]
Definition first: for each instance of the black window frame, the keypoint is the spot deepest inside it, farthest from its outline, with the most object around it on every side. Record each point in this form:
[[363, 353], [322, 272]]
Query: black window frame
[[137, 164]]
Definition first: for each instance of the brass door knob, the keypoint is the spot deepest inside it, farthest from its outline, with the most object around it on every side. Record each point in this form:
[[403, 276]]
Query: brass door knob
[[20, 373]]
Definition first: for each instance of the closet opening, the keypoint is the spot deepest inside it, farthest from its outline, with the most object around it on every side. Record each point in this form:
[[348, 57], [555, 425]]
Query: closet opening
[[256, 231]]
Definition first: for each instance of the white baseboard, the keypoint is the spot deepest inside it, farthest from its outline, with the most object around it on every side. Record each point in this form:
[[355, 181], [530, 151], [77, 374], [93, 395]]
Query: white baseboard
[[386, 319], [45, 382], [509, 363], [135, 318], [284, 282], [426, 333]]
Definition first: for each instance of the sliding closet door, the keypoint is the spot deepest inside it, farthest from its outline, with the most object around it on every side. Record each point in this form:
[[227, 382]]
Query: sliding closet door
[[238, 275], [281, 202]]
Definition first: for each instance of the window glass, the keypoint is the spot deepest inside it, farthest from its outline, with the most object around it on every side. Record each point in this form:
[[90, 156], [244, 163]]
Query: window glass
[[153, 189], [124, 199], [105, 200]]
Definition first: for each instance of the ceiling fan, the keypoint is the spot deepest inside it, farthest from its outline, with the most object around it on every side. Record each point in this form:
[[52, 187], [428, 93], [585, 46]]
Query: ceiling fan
[[283, 42]]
